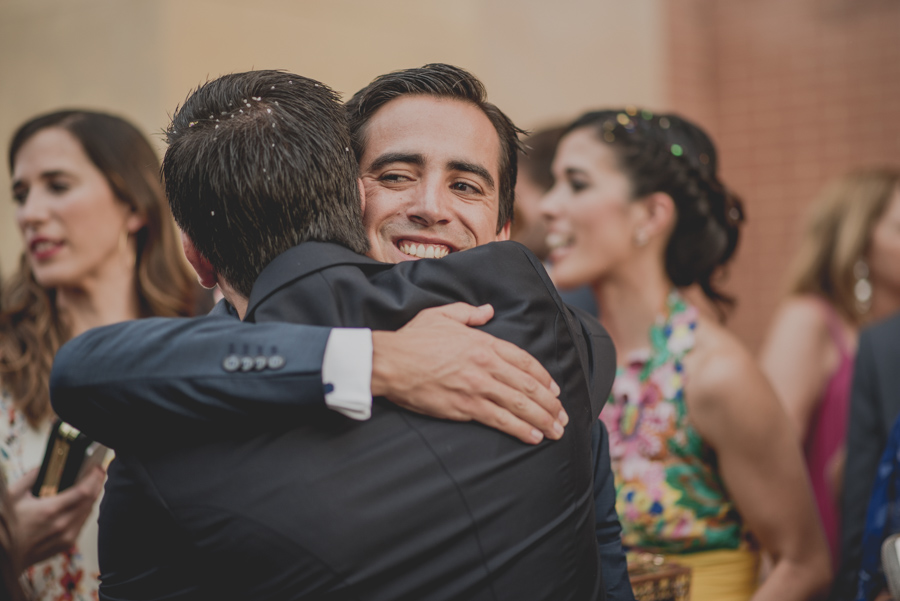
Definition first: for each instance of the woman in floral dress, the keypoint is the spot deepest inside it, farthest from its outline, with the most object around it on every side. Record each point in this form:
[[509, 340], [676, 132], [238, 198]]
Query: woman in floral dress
[[99, 247], [707, 466]]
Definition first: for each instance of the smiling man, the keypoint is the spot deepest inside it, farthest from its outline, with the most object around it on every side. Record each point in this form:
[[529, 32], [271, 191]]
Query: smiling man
[[484, 516]]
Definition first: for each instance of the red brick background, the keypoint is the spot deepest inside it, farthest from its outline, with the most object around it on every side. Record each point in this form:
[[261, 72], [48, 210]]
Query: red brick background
[[794, 93]]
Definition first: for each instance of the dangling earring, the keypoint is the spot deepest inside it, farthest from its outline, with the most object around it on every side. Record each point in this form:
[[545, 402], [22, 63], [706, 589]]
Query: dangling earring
[[640, 238], [862, 289]]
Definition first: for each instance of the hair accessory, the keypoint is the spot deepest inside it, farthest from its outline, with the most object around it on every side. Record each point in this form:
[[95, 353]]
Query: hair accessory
[[677, 150], [862, 289], [664, 123], [647, 115], [623, 119]]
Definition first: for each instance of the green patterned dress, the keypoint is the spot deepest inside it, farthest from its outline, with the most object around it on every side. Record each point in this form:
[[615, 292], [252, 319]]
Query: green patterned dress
[[670, 497]]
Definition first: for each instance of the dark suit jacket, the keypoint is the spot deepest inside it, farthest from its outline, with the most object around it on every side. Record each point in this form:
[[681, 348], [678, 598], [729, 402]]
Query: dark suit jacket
[[874, 407], [401, 506]]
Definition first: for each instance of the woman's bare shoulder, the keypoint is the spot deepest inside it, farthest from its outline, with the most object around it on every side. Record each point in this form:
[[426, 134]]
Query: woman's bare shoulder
[[723, 378]]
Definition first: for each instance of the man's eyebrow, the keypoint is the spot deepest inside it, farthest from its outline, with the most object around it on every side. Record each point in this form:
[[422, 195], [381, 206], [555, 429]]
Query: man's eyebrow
[[473, 168], [410, 158]]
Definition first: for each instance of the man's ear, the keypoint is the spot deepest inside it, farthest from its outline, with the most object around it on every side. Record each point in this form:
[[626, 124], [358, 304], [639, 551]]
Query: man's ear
[[503, 234], [362, 194], [206, 273]]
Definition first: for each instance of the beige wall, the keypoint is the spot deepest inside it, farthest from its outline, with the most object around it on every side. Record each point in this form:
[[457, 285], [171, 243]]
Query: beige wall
[[139, 58]]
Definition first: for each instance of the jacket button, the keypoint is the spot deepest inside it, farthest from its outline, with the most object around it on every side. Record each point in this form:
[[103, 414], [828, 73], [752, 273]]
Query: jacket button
[[260, 363], [276, 362], [247, 363], [231, 363]]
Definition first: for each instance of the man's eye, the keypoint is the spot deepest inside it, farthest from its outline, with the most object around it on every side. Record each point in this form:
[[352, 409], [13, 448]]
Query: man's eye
[[19, 195], [393, 178], [465, 187]]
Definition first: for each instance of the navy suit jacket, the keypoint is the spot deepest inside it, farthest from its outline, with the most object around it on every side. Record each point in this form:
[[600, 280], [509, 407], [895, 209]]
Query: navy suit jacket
[[874, 407], [314, 505]]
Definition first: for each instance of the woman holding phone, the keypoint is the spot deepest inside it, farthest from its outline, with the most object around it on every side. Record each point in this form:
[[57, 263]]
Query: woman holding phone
[[99, 247]]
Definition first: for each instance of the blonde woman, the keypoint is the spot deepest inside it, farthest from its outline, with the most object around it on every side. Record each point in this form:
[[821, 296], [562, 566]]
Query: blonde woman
[[844, 276]]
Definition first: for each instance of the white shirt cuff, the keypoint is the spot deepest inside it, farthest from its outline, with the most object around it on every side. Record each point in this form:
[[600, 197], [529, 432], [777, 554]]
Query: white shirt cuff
[[347, 371]]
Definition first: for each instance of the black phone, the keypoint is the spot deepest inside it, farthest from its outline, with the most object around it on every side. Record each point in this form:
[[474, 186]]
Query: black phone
[[69, 455]]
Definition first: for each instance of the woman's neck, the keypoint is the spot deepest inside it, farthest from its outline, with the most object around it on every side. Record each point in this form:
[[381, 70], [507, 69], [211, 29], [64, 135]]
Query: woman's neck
[[629, 303], [98, 302]]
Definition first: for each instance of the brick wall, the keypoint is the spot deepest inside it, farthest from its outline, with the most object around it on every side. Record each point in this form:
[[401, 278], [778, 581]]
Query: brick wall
[[794, 92]]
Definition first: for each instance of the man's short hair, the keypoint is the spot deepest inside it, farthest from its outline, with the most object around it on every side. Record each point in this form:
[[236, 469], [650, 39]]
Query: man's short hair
[[441, 81], [257, 163]]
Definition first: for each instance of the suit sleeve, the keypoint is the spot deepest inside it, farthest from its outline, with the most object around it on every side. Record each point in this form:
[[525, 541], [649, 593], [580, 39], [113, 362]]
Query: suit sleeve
[[137, 382], [865, 444], [609, 530], [600, 358]]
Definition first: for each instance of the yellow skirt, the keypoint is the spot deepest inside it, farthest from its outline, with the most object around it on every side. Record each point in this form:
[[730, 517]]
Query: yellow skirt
[[721, 575]]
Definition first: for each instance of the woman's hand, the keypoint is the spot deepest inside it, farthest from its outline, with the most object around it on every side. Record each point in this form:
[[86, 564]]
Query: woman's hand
[[49, 525]]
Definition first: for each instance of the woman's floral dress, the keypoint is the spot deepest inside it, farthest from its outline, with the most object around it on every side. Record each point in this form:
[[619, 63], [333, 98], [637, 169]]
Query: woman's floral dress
[[670, 497], [70, 576]]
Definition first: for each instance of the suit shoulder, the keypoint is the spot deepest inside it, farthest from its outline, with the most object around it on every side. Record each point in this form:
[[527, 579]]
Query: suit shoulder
[[883, 333]]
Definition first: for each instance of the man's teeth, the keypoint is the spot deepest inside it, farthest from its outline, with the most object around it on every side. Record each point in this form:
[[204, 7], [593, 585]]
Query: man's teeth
[[424, 251], [559, 240]]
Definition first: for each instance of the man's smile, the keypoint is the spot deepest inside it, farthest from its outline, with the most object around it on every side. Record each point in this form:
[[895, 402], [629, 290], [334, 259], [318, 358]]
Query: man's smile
[[423, 250]]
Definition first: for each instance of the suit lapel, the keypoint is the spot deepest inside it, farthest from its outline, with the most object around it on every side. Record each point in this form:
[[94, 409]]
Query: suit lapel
[[301, 261]]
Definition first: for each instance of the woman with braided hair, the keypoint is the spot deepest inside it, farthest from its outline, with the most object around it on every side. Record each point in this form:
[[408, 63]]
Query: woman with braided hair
[[707, 466]]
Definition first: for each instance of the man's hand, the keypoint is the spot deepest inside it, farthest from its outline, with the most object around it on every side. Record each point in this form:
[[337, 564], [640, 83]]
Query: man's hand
[[439, 366], [50, 525]]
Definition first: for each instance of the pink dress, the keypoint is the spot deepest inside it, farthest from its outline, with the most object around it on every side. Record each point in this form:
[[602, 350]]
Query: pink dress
[[827, 435]]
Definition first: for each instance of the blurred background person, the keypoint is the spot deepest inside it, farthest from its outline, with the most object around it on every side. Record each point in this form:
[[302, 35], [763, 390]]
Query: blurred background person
[[844, 275], [706, 462], [874, 404], [535, 177], [99, 247], [529, 226]]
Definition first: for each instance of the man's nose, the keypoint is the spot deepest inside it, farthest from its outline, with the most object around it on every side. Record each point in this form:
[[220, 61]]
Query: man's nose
[[432, 205]]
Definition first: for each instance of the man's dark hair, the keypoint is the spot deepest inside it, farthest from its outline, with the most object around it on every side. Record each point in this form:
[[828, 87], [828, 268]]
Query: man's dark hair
[[257, 163], [441, 81]]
